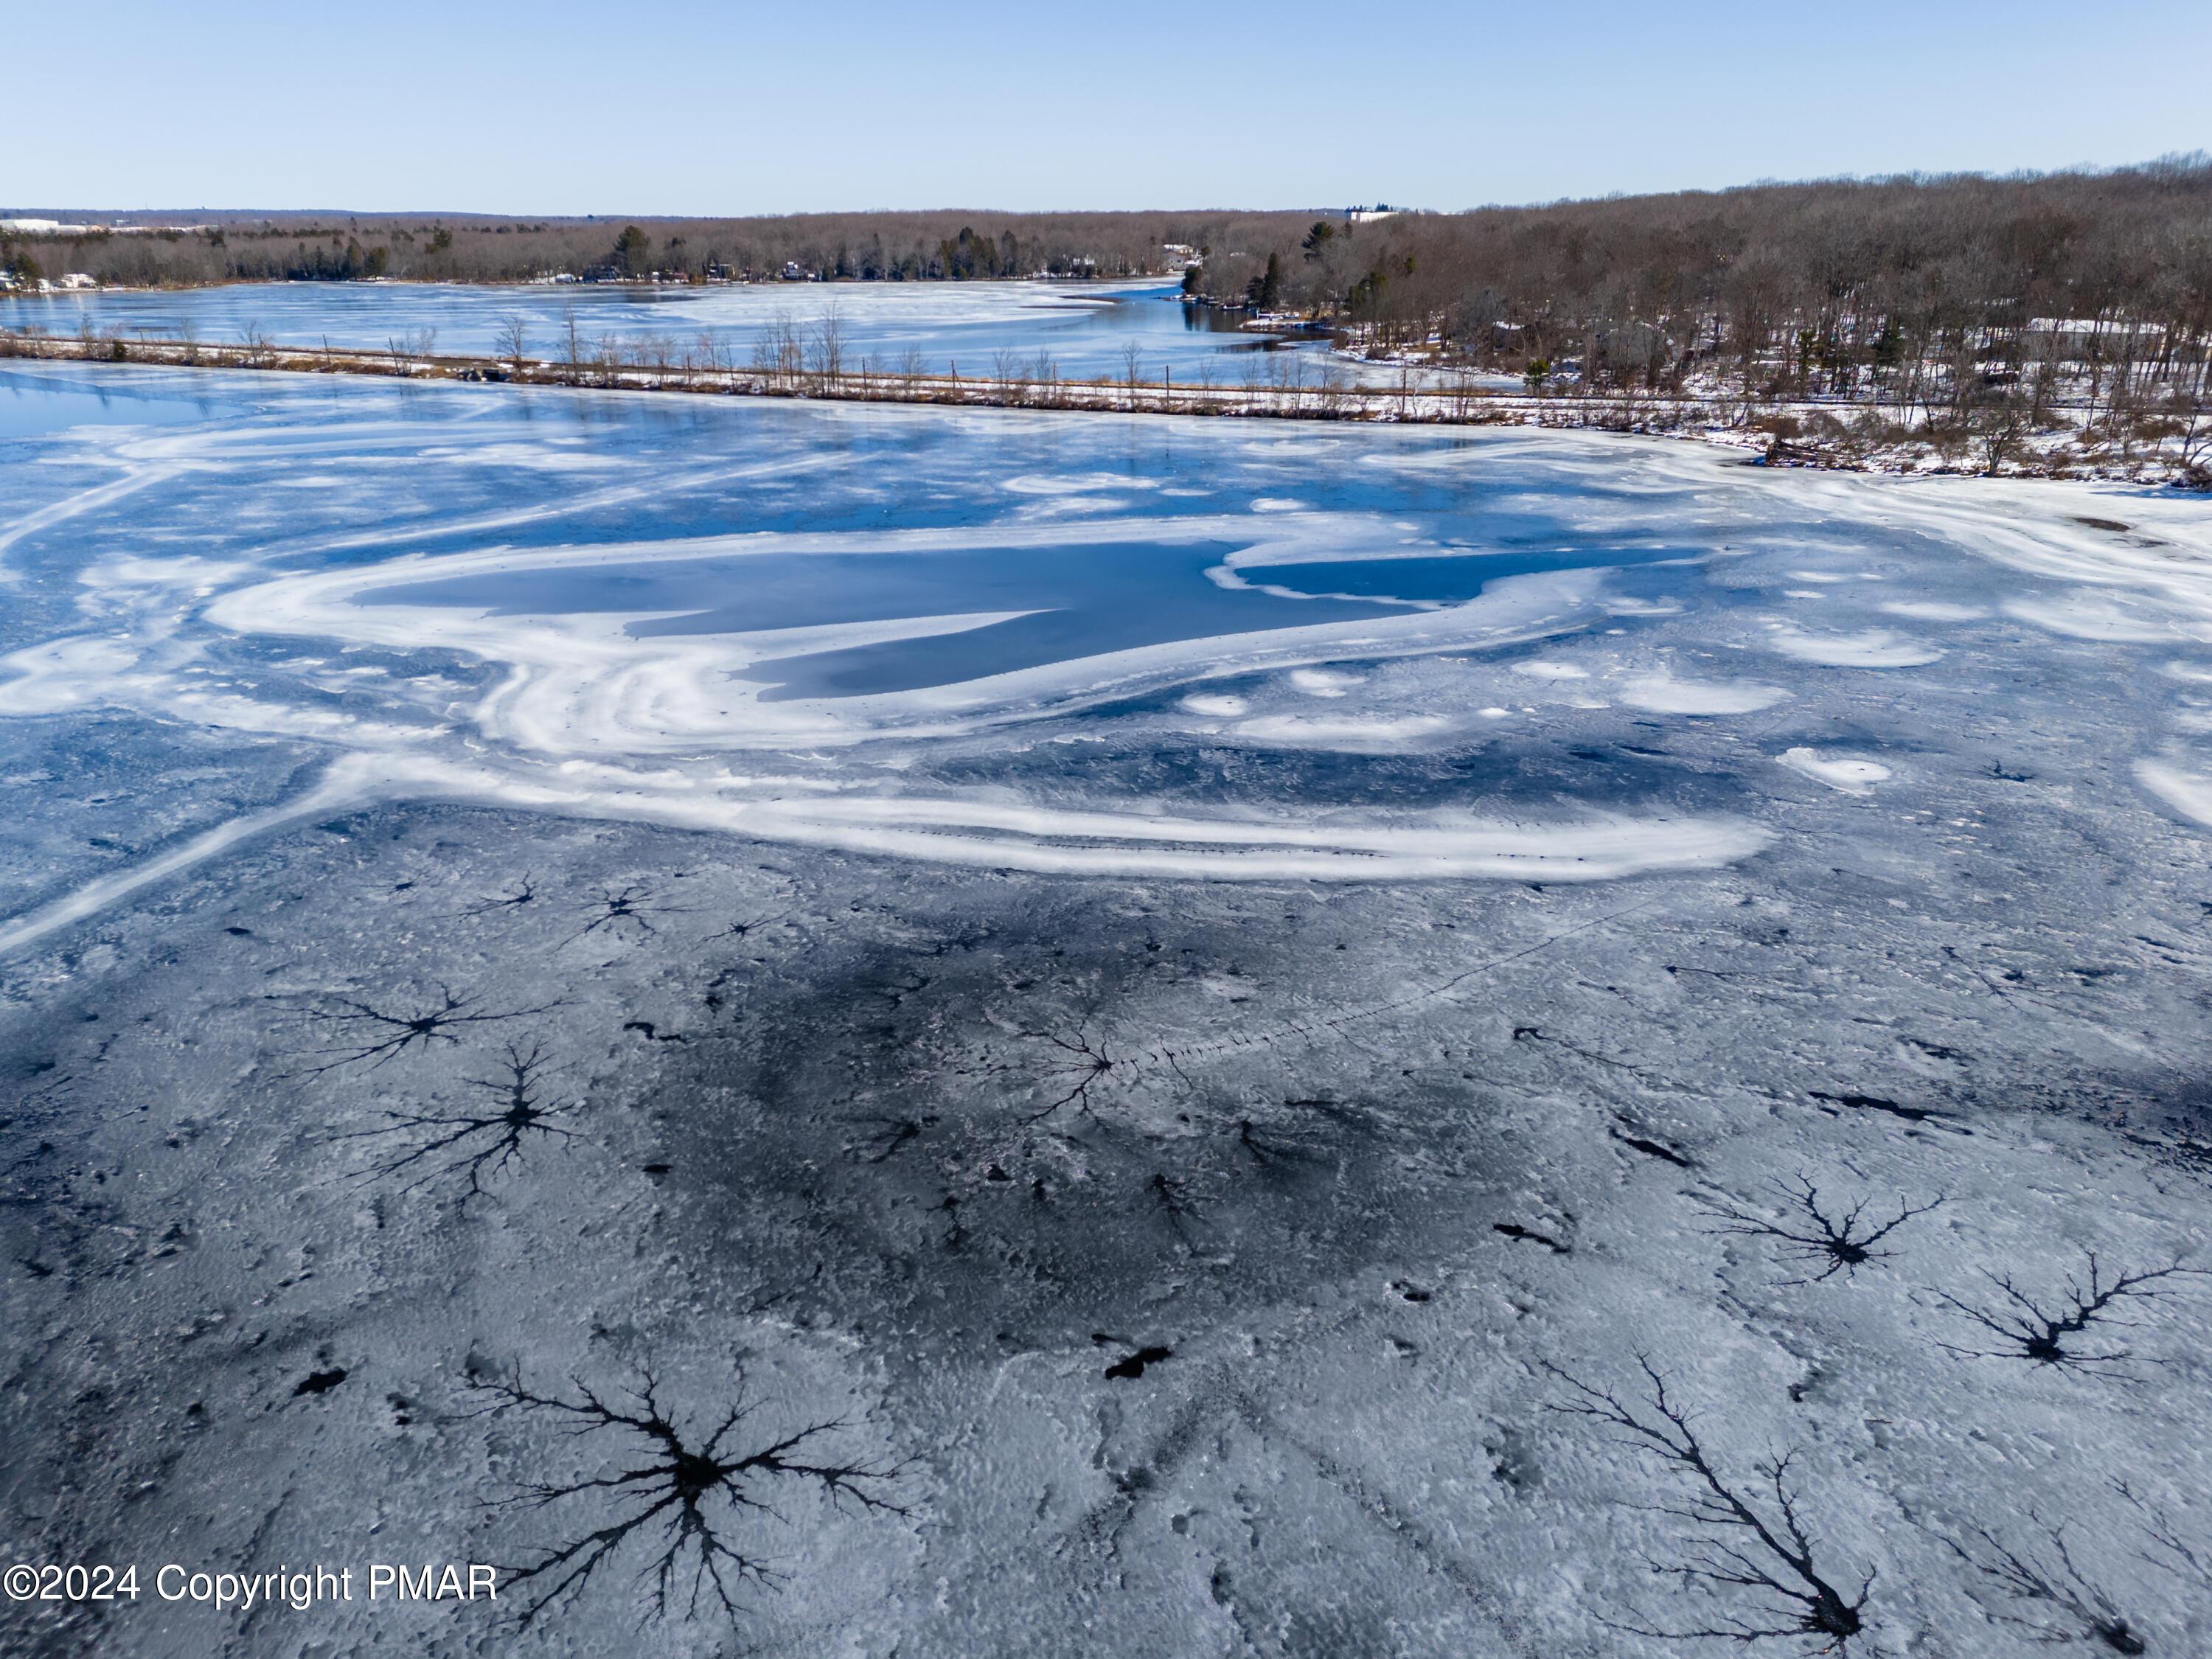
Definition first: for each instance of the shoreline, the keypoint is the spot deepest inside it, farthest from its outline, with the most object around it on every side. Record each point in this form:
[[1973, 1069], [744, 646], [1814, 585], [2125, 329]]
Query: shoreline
[[57, 292], [1721, 420]]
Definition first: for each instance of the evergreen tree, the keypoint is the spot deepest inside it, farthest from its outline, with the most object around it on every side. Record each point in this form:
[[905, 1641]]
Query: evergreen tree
[[1265, 291]]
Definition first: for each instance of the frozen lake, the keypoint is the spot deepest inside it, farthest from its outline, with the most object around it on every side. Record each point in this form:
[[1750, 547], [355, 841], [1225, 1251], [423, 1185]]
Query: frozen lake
[[620, 581], [1182, 983], [1083, 330]]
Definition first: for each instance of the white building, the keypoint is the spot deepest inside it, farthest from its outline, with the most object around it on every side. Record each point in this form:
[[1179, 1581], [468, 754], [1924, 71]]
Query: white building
[[2080, 336]]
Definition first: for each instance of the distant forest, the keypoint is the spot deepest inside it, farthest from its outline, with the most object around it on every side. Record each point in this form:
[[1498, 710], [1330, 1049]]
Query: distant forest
[[1916, 291], [855, 246], [1805, 286]]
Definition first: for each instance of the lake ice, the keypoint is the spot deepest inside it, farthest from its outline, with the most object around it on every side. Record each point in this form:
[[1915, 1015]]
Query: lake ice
[[1163, 974], [1082, 330]]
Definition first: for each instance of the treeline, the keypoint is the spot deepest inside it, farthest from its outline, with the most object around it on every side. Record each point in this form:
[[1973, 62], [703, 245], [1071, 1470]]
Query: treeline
[[1965, 303], [857, 246], [1821, 287]]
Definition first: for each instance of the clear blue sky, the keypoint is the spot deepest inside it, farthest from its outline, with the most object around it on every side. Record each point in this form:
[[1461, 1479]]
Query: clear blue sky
[[687, 108]]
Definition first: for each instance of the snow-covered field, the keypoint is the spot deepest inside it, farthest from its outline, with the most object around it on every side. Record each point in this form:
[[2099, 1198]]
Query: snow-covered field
[[1201, 1000]]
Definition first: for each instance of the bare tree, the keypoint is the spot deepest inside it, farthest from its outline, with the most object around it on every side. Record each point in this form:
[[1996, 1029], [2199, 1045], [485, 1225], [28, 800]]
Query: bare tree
[[827, 348], [2193, 417], [1749, 1545], [514, 341], [1998, 427], [405, 348], [778, 351]]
